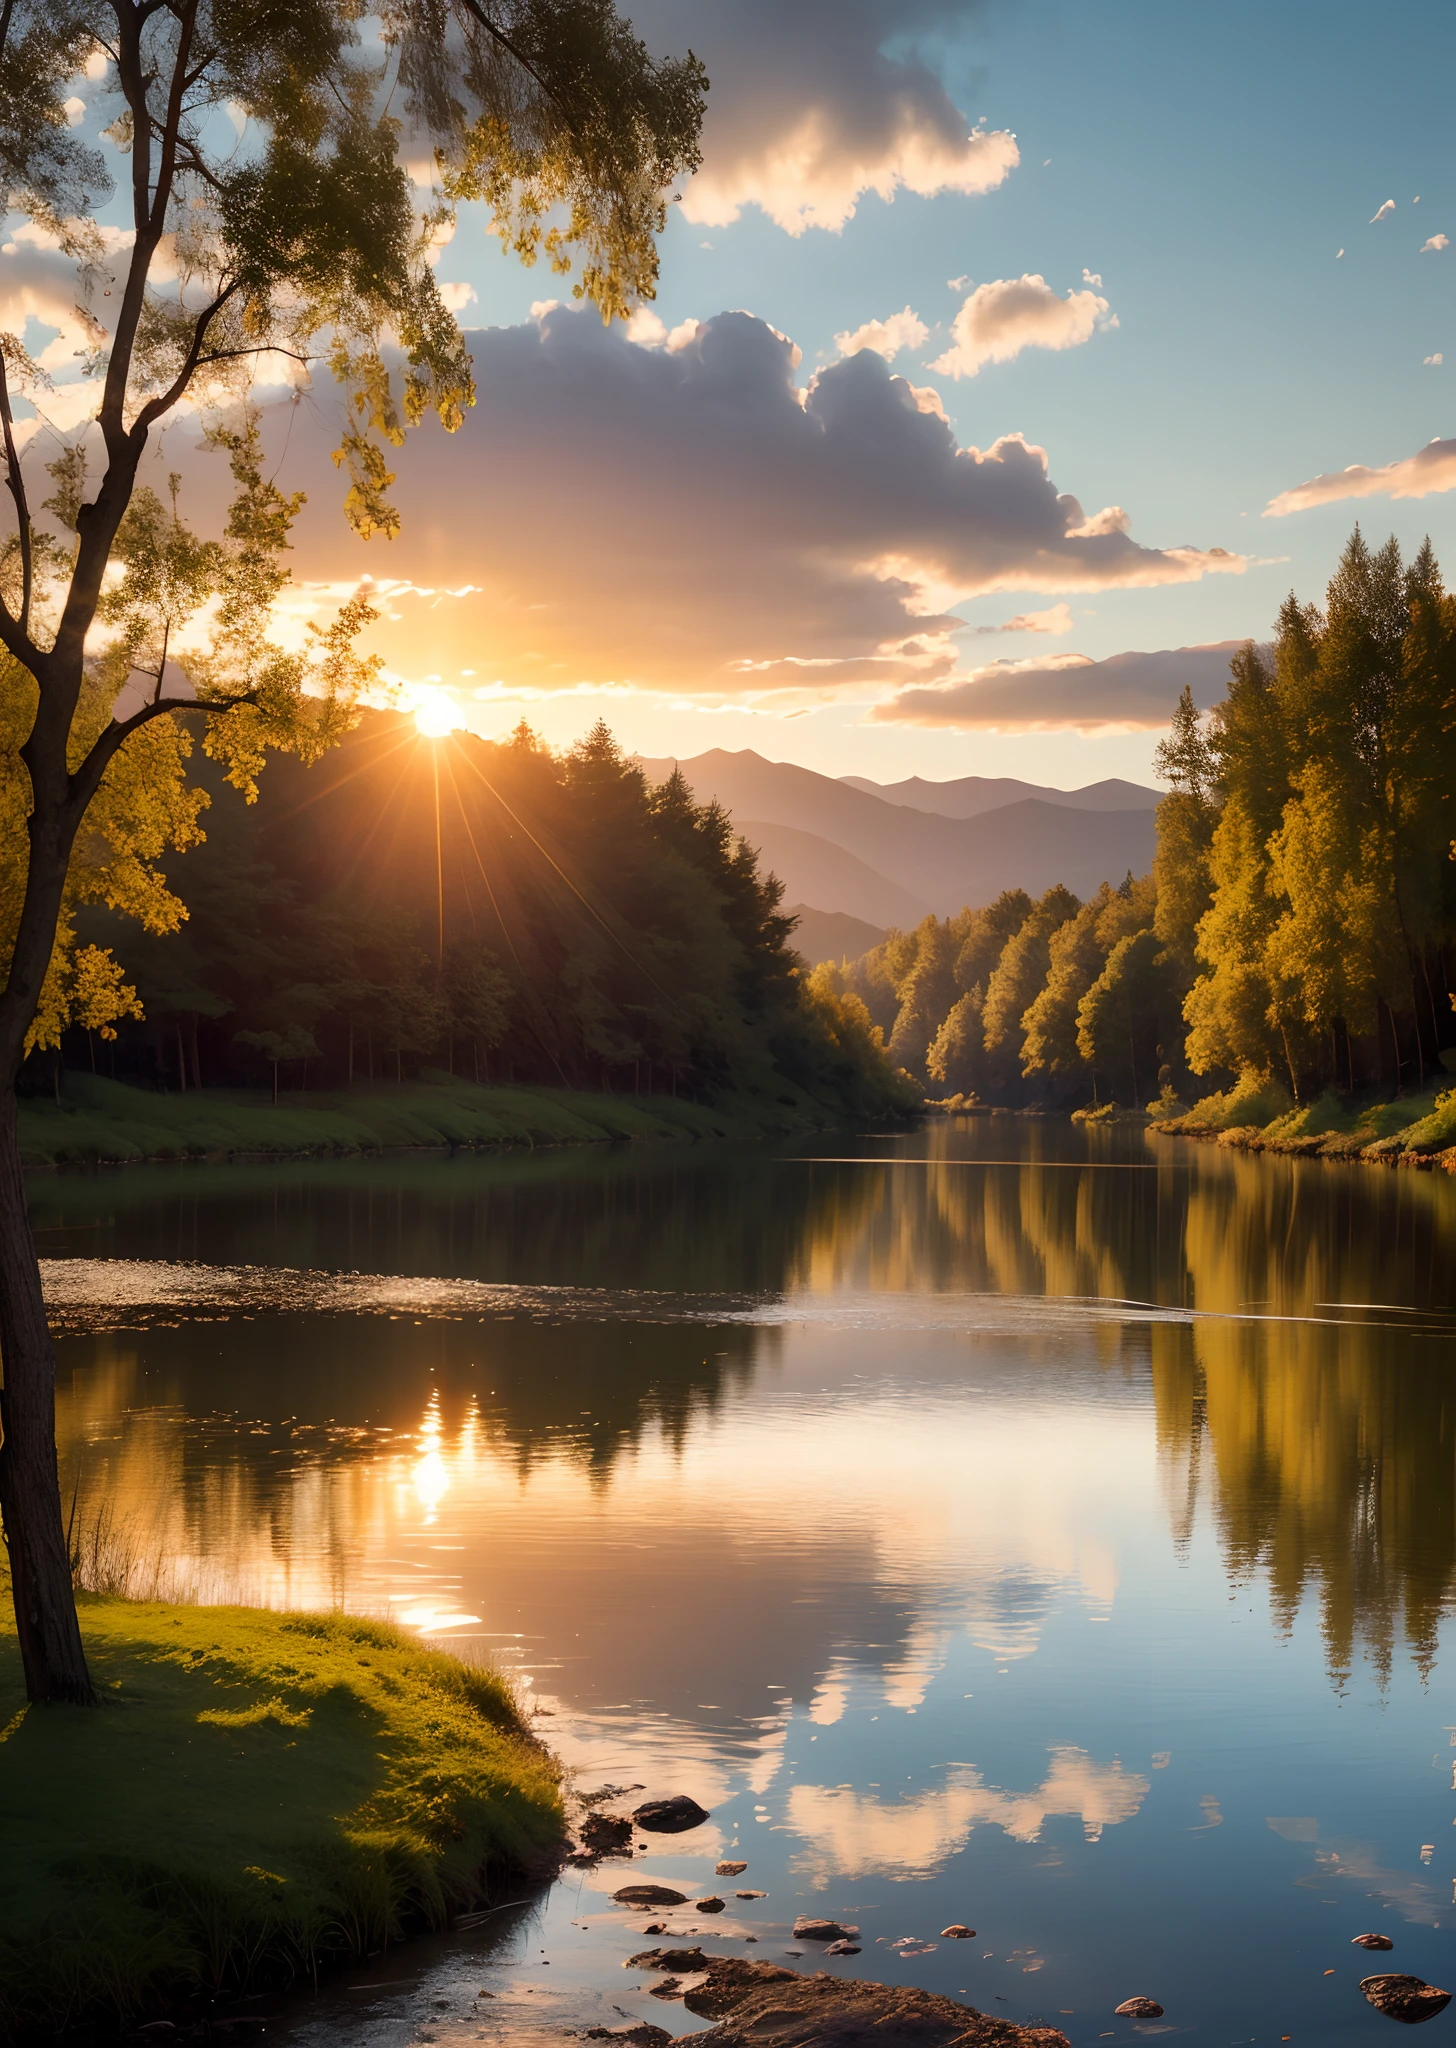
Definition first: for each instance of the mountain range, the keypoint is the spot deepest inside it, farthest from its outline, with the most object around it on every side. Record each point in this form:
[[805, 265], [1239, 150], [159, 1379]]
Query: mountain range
[[889, 853]]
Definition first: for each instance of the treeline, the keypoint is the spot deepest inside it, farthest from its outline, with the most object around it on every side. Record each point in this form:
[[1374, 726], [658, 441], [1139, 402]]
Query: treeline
[[1299, 917], [498, 911]]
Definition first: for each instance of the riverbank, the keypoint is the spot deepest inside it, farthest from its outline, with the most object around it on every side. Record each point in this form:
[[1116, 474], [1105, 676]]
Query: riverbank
[[1256, 1115], [101, 1122], [259, 1796]]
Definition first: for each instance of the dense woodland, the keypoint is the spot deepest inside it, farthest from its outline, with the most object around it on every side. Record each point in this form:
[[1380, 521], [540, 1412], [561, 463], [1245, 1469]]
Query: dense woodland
[[502, 912], [1299, 918]]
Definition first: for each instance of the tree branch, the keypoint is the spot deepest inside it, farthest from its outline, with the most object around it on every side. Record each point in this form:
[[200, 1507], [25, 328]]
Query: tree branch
[[498, 35], [165, 400], [108, 744], [15, 482]]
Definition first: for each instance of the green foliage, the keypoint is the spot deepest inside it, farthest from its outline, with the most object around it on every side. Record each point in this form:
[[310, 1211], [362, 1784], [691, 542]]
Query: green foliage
[[1328, 820], [264, 1794]]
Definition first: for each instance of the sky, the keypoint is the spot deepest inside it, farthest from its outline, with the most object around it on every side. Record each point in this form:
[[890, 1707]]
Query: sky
[[998, 349]]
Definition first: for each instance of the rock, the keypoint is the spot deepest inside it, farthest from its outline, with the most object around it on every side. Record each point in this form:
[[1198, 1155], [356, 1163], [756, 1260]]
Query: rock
[[842, 1948], [821, 1930], [681, 1960], [708, 1905], [1371, 1941], [655, 1927], [668, 1988], [670, 1816], [957, 1933], [607, 1834], [750, 1895], [759, 2005], [913, 1948], [649, 1895], [1409, 1999], [1138, 2009], [730, 1870], [641, 2036]]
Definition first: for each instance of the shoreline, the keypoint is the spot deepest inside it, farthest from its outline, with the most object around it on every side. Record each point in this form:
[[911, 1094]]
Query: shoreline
[[108, 1123]]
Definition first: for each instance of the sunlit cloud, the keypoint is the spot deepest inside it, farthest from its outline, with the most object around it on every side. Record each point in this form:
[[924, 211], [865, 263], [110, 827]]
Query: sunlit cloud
[[1130, 692], [1010, 314], [885, 337], [1382, 212], [787, 542], [1056, 619], [832, 117], [1429, 470], [1436, 242]]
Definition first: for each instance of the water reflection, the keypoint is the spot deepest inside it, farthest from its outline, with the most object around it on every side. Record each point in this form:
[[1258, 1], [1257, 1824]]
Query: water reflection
[[925, 1517]]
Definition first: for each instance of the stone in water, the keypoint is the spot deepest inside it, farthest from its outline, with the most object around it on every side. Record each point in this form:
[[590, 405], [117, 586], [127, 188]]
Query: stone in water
[[670, 1816], [1408, 1999], [1138, 2009]]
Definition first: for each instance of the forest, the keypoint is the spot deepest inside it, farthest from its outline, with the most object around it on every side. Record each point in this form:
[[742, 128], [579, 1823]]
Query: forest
[[496, 911], [1299, 917]]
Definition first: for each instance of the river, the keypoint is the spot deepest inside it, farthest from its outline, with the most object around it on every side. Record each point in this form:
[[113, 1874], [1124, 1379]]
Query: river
[[1047, 1530]]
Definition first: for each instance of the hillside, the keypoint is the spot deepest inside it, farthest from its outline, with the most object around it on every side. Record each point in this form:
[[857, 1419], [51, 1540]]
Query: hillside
[[837, 846], [830, 934]]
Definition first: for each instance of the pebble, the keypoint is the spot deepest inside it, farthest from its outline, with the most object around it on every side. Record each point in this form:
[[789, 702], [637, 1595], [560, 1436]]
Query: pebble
[[842, 1948], [1371, 1941], [821, 1930], [708, 1905], [1409, 1999], [1138, 2009], [957, 1933], [730, 1870], [649, 1895], [750, 1895]]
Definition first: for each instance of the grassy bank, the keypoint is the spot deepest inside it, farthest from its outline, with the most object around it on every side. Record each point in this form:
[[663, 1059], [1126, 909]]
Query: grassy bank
[[100, 1121], [259, 1795], [1257, 1115]]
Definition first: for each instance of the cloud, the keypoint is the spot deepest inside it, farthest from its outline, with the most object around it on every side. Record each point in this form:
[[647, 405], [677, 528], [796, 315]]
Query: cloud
[[457, 296], [1437, 359], [1092, 277], [1382, 212], [959, 284], [1066, 693], [1432, 468], [695, 520], [1057, 620], [815, 105], [885, 337], [1436, 242], [1002, 318]]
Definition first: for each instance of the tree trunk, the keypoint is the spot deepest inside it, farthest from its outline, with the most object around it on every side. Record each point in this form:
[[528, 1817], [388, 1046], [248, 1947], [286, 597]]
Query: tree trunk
[[30, 1497]]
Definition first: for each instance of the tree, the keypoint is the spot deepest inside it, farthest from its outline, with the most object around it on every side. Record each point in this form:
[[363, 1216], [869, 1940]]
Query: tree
[[926, 994], [1123, 1016], [301, 237], [957, 1057], [477, 1000], [1022, 969]]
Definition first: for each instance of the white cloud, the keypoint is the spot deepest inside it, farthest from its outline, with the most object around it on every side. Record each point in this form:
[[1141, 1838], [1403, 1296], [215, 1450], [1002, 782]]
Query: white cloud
[[1436, 242], [959, 284], [1058, 619], [815, 105], [1437, 359], [1066, 692], [1092, 277], [1382, 212], [694, 519], [647, 329], [1430, 469], [457, 296], [1003, 317], [885, 337]]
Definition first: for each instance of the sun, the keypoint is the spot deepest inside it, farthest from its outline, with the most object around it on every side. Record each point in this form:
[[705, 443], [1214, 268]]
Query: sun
[[437, 714]]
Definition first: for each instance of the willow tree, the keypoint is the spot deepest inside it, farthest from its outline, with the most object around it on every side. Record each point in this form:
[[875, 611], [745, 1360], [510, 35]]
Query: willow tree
[[265, 216]]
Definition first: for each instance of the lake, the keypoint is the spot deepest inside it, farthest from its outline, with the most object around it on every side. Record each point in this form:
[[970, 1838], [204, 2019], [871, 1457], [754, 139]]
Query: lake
[[1004, 1523]]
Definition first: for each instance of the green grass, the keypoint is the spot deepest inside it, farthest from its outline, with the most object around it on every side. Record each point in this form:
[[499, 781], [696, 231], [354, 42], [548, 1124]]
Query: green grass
[[100, 1121], [259, 1795], [1257, 1115]]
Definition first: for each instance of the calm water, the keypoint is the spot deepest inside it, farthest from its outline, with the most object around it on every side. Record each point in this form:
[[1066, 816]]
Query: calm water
[[1004, 1524]]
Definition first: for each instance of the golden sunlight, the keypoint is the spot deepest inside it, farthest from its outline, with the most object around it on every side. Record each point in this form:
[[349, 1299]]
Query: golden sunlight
[[436, 714]]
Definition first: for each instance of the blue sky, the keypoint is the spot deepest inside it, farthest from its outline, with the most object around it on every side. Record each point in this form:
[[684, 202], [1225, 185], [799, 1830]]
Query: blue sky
[[1208, 165], [662, 532]]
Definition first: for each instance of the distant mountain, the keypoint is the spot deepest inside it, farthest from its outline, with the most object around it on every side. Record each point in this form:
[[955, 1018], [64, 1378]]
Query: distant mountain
[[831, 935], [970, 795], [815, 870], [839, 847]]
